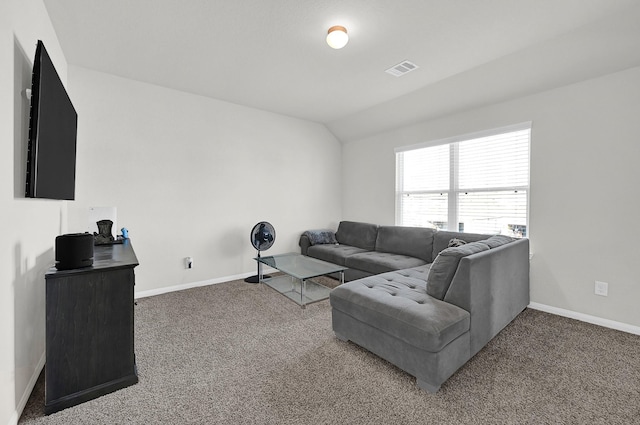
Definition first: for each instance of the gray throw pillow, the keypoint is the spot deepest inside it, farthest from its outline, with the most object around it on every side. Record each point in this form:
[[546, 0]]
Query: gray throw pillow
[[445, 266], [498, 240], [321, 236]]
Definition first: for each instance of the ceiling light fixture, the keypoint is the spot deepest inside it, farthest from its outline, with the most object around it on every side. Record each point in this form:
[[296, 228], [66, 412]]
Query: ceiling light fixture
[[337, 37]]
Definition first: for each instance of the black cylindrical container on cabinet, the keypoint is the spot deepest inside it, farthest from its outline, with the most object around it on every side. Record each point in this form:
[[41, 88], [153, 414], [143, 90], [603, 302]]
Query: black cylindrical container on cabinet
[[74, 251]]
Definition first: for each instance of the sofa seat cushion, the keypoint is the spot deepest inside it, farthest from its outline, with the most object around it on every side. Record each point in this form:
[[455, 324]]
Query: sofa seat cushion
[[398, 305], [420, 272], [336, 254], [376, 262]]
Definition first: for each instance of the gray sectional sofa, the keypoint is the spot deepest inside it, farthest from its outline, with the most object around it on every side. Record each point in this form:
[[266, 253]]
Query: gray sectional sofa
[[414, 300]]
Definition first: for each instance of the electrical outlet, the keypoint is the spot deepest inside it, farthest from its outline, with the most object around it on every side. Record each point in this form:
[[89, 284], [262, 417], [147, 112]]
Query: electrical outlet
[[602, 288], [188, 263]]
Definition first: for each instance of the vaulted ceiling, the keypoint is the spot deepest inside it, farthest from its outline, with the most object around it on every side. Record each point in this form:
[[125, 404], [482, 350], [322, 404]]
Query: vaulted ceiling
[[271, 54]]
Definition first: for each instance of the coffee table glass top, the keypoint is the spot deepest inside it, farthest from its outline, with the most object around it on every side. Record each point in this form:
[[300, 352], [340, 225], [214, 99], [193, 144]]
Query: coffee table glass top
[[299, 266], [296, 284]]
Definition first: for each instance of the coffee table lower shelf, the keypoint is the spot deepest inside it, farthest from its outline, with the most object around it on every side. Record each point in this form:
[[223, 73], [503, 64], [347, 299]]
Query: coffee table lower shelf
[[291, 287], [299, 270]]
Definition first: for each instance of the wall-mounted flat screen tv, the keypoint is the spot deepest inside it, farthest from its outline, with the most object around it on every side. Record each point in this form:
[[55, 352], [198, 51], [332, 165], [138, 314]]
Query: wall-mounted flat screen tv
[[53, 122]]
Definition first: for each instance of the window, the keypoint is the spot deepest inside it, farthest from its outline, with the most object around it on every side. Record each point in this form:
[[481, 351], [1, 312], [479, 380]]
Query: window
[[475, 183]]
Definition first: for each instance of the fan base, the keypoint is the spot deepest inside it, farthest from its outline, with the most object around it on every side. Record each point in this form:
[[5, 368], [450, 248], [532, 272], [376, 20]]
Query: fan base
[[255, 279]]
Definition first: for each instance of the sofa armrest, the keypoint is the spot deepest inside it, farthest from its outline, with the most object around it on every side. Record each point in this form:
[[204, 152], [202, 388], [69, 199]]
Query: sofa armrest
[[493, 286], [304, 244]]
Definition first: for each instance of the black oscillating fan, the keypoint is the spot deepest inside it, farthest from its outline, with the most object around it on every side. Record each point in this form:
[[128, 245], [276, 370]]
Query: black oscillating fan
[[262, 237]]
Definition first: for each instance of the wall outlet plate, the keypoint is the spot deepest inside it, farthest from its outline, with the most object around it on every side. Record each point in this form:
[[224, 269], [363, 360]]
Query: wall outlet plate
[[601, 288]]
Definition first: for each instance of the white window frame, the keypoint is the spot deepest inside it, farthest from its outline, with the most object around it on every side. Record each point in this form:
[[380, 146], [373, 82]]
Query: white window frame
[[454, 191]]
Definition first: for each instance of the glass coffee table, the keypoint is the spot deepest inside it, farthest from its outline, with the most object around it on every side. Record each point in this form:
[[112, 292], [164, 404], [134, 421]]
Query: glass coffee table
[[299, 270]]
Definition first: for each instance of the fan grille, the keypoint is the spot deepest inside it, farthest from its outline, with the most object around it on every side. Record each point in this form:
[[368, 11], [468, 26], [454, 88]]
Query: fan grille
[[263, 236]]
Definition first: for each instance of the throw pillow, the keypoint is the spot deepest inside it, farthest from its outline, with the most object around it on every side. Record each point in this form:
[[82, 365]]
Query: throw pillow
[[321, 236], [456, 242], [498, 240], [445, 266]]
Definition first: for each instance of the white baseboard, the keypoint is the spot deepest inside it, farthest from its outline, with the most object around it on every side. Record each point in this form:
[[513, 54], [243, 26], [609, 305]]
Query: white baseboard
[[13, 420], [174, 288], [167, 289], [612, 324]]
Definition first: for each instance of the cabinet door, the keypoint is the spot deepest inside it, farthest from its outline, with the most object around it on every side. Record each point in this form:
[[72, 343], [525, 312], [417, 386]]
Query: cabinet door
[[89, 331]]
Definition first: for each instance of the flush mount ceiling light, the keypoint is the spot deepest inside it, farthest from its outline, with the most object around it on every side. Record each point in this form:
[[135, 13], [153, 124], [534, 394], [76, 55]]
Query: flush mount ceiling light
[[337, 37]]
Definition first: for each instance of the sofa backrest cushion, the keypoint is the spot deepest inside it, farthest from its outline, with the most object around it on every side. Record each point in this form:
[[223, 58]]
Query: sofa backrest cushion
[[361, 235], [412, 241], [445, 266], [442, 238]]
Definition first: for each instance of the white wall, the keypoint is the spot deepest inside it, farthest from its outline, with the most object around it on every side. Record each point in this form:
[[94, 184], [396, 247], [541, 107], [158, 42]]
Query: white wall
[[584, 195], [29, 226], [190, 176]]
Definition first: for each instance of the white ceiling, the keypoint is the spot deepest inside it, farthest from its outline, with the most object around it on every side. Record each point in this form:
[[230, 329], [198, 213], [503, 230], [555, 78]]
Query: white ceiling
[[271, 54]]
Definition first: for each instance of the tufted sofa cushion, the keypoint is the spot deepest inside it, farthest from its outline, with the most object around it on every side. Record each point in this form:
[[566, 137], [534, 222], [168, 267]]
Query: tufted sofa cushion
[[397, 303], [420, 272], [336, 254], [376, 262], [446, 265]]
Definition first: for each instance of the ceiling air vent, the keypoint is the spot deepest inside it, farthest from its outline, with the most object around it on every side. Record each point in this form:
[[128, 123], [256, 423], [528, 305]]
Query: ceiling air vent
[[402, 68]]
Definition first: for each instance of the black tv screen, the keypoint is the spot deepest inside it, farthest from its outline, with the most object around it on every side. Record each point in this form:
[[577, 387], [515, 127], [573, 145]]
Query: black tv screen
[[53, 122]]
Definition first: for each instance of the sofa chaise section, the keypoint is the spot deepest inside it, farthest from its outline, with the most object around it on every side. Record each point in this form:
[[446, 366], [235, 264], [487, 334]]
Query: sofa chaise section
[[431, 332], [392, 316]]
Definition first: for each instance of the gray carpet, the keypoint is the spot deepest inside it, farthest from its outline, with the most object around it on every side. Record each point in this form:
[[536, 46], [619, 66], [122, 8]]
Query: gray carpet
[[236, 353]]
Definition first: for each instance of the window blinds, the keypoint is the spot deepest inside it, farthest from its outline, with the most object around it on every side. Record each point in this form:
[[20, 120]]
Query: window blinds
[[476, 184], [422, 186]]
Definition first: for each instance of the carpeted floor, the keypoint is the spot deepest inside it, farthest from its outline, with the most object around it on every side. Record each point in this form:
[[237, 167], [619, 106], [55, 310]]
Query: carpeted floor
[[236, 353]]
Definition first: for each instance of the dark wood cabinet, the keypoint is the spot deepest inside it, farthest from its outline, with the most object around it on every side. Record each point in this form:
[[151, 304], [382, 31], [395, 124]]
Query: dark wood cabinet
[[89, 328]]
